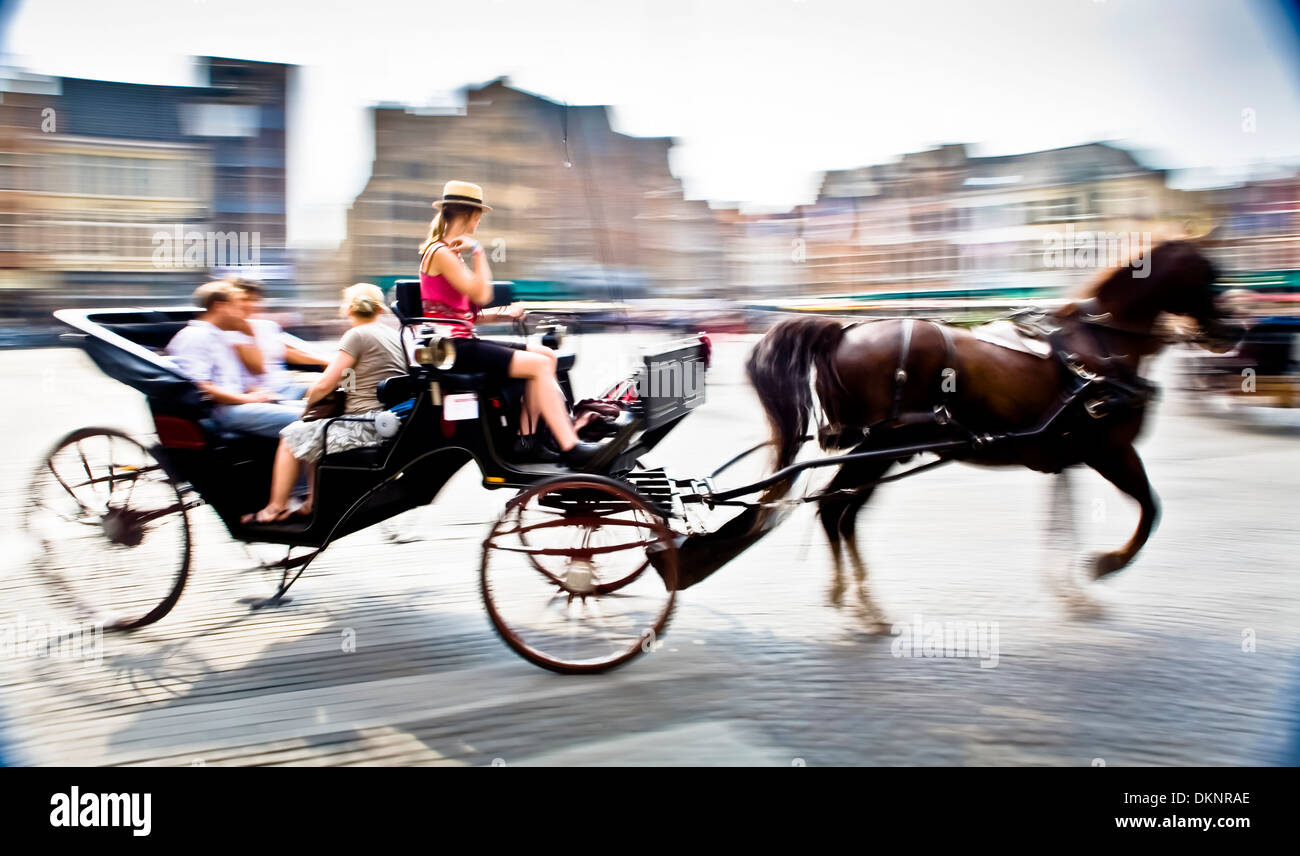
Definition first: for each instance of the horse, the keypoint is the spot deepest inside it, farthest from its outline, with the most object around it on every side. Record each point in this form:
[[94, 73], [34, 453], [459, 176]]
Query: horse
[[892, 383]]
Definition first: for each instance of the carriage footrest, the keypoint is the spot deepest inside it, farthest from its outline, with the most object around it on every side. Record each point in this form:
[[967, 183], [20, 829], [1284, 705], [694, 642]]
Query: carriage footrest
[[654, 487]]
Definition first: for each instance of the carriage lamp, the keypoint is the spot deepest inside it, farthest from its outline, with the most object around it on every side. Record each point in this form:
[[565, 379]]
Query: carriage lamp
[[553, 335], [437, 351]]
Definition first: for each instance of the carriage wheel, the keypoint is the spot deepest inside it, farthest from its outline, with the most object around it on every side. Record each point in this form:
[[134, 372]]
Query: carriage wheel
[[111, 529], [567, 579]]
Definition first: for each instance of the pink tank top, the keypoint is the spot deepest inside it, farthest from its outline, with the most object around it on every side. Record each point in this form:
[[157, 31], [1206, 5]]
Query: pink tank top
[[440, 299]]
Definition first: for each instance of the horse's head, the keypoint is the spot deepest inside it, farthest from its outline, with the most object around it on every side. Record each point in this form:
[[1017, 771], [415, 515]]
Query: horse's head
[[1178, 279], [1189, 290]]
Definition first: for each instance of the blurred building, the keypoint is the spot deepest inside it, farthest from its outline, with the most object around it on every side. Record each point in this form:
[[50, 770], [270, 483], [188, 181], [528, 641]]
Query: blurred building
[[103, 186], [762, 254], [941, 219], [1256, 238], [576, 205], [134, 190]]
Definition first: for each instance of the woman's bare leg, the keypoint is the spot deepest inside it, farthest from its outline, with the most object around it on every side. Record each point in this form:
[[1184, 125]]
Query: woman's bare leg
[[542, 396], [545, 352], [311, 492], [283, 476], [527, 416]]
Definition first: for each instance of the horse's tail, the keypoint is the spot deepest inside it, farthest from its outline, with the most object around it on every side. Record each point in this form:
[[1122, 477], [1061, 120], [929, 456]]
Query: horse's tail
[[780, 368]]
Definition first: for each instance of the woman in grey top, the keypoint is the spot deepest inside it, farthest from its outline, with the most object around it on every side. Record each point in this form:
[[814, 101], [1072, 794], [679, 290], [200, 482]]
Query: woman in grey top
[[368, 353]]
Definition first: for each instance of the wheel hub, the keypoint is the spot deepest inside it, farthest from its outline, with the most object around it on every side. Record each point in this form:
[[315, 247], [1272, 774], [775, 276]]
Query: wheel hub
[[580, 576], [122, 526]]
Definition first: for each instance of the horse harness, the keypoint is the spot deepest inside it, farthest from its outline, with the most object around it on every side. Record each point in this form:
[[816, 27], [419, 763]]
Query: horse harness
[[1113, 393], [941, 414], [1083, 349]]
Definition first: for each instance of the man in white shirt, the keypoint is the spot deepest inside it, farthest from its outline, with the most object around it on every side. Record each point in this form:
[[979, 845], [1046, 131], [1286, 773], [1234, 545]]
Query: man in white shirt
[[204, 354], [262, 349]]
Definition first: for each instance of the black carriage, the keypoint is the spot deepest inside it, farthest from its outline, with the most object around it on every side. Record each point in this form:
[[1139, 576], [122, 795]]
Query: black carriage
[[566, 575], [1263, 370]]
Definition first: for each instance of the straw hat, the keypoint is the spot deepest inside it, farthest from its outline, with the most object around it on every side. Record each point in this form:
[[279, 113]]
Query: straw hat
[[462, 193]]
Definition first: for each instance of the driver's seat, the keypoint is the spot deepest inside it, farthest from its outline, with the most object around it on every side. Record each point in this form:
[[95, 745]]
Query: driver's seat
[[409, 309]]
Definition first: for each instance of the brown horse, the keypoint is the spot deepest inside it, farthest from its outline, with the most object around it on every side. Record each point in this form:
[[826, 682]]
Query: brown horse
[[891, 383]]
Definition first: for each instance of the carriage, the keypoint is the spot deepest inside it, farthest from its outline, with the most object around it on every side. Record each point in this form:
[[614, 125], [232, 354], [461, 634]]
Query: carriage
[[566, 576], [1259, 377], [580, 571]]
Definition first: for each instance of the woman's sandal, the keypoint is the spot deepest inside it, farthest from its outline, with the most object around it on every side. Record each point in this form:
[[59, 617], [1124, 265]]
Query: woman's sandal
[[260, 517]]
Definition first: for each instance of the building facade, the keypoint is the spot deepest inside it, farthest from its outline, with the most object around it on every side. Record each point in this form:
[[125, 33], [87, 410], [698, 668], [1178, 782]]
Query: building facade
[[111, 189], [577, 206], [942, 220]]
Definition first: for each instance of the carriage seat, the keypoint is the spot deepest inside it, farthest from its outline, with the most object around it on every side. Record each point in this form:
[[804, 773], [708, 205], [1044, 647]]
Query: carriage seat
[[394, 390], [478, 380], [177, 430], [366, 456], [391, 392], [511, 392], [151, 334]]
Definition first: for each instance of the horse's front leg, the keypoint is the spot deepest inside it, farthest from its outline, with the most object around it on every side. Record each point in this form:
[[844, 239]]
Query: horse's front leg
[[1061, 542], [1123, 468]]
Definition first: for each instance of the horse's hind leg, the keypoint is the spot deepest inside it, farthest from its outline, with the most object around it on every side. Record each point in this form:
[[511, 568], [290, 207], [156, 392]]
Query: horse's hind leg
[[839, 518], [1123, 468], [872, 615], [831, 525]]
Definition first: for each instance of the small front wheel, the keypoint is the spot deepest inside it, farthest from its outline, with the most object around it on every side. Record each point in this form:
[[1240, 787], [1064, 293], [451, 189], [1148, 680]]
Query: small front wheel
[[567, 577], [110, 529]]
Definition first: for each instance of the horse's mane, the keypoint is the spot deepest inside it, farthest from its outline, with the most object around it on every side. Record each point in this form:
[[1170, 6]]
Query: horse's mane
[[1105, 280], [1121, 287]]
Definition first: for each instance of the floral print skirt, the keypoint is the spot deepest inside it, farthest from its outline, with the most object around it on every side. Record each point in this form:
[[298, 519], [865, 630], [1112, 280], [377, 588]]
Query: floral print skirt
[[307, 439]]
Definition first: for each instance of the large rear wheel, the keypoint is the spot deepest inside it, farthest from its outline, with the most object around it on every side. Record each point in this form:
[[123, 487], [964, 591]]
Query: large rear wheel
[[567, 579], [110, 531]]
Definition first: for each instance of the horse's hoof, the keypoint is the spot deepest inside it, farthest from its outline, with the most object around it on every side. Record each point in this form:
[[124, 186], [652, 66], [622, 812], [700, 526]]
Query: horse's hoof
[[876, 627], [1080, 604], [835, 597], [873, 621], [1107, 563]]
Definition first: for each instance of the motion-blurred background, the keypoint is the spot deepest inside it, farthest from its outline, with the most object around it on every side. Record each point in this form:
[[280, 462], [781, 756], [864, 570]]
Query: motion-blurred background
[[677, 164], [130, 172]]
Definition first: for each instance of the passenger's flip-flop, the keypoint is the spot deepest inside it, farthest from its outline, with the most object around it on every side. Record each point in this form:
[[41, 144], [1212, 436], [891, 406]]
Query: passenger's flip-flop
[[262, 518]]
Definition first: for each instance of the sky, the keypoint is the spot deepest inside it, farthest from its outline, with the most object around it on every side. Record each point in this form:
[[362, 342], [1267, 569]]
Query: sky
[[761, 95]]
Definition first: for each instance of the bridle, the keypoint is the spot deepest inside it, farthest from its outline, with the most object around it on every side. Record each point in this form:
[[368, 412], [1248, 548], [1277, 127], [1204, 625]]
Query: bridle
[[1105, 321]]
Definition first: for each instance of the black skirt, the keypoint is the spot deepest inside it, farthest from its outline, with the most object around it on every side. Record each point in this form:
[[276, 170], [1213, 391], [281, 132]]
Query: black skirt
[[489, 358]]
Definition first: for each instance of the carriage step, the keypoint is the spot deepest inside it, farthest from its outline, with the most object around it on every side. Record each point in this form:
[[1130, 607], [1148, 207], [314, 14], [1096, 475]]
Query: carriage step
[[655, 487]]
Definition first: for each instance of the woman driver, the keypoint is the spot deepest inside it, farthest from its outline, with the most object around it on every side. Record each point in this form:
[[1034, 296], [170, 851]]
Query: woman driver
[[451, 289]]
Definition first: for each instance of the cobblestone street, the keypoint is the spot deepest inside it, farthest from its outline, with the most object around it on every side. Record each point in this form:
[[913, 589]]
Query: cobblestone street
[[1193, 660]]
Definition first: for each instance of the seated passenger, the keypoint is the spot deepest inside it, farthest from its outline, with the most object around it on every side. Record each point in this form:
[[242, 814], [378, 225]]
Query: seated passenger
[[450, 288], [261, 347], [205, 356], [368, 353]]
